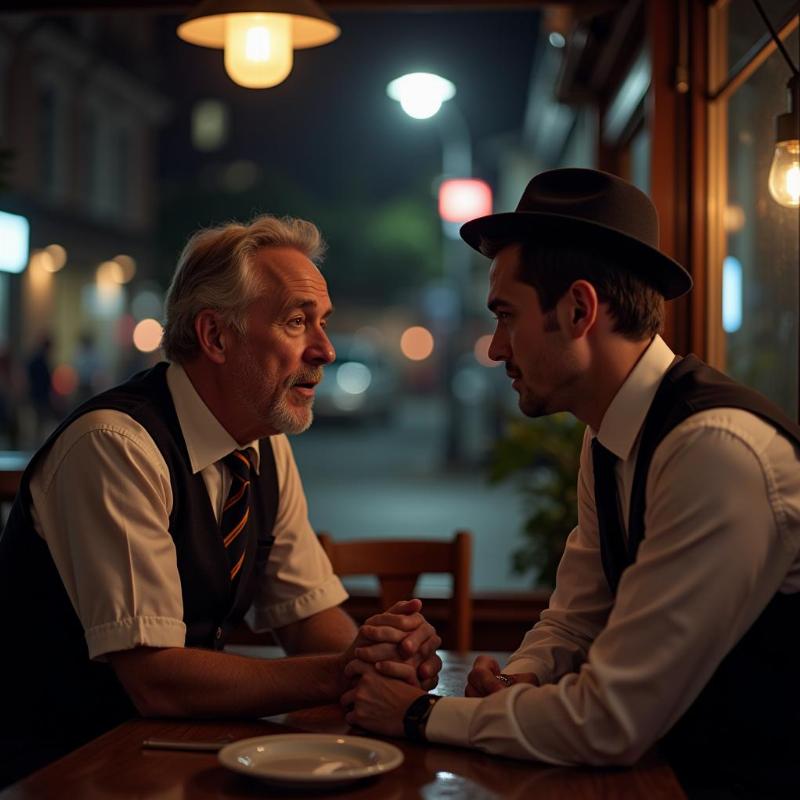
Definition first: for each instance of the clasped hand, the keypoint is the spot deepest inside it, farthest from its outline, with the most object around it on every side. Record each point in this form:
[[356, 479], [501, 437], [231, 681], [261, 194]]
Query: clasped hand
[[384, 689], [402, 637], [398, 644]]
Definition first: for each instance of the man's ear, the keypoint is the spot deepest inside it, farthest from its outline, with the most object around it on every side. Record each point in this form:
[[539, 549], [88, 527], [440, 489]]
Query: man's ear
[[212, 335], [580, 308]]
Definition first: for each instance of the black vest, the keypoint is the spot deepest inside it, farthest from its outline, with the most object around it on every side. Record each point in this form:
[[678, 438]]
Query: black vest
[[741, 736], [54, 698]]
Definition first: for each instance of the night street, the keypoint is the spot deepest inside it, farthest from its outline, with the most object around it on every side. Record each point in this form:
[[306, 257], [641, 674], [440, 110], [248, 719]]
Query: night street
[[366, 481]]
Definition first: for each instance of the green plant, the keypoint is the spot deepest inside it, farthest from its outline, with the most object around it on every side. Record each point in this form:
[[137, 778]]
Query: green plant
[[542, 456]]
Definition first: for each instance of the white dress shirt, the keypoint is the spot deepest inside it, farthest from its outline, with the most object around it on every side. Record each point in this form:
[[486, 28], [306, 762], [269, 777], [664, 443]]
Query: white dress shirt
[[722, 537], [102, 498]]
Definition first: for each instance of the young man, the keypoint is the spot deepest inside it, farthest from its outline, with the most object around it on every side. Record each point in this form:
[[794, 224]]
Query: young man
[[676, 612], [163, 511]]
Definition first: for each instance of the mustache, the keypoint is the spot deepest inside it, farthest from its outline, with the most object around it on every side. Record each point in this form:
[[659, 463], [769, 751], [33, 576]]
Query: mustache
[[308, 376], [512, 371]]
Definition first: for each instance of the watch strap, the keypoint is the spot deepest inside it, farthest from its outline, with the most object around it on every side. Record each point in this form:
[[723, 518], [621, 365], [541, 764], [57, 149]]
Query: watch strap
[[416, 716]]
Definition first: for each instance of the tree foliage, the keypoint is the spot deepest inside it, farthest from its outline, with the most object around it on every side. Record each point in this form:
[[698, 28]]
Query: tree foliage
[[542, 456], [376, 252]]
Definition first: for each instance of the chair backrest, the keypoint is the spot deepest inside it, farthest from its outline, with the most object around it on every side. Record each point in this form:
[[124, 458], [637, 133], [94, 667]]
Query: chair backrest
[[398, 563]]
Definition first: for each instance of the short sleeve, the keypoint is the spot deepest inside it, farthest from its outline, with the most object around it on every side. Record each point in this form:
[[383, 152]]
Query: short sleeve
[[101, 501]]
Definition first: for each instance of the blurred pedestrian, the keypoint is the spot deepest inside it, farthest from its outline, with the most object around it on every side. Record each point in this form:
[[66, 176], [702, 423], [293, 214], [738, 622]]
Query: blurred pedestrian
[[39, 373]]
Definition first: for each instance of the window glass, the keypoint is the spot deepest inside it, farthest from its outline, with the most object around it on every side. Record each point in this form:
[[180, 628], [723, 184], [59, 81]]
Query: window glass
[[746, 27], [760, 269]]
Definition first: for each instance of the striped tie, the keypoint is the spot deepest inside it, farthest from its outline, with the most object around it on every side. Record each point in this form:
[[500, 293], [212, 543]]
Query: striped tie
[[236, 510]]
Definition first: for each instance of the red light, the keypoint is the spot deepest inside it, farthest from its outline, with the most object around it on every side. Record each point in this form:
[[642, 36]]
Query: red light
[[64, 380], [463, 199]]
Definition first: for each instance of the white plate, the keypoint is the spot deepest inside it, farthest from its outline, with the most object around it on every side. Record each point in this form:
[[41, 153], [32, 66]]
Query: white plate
[[310, 759]]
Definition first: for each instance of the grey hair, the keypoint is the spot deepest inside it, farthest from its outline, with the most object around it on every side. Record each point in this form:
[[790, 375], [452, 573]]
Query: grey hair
[[215, 271]]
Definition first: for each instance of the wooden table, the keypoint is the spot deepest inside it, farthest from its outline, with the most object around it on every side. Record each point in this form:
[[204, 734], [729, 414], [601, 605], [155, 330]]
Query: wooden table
[[116, 766]]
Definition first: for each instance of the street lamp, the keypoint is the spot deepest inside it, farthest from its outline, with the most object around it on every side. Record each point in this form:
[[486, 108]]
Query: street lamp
[[423, 95]]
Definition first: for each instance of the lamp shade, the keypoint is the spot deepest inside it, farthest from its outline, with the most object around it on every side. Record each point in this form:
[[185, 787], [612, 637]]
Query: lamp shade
[[206, 24]]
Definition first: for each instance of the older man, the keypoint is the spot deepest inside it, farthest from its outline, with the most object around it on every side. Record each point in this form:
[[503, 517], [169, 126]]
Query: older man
[[676, 611], [163, 511]]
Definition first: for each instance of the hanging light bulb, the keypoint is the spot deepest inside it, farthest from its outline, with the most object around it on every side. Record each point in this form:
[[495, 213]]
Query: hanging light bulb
[[258, 49], [258, 36], [784, 174]]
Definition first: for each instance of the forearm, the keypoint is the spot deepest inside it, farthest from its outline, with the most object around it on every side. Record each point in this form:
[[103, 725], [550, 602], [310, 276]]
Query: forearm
[[329, 631], [187, 682]]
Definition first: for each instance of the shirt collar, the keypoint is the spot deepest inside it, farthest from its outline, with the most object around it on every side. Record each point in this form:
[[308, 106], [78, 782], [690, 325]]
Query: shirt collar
[[625, 416], [206, 440]]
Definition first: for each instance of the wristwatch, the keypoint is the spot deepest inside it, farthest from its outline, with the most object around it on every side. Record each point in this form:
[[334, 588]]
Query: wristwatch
[[416, 716]]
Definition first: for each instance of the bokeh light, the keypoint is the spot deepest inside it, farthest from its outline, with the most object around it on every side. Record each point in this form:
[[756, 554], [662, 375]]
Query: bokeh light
[[353, 377], [421, 94], [58, 257], [127, 265], [463, 199], [110, 272], [416, 343], [42, 261], [64, 380], [481, 351], [147, 335]]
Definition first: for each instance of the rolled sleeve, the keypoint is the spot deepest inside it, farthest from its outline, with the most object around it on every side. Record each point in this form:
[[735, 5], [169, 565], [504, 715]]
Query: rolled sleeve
[[132, 632], [111, 545], [297, 580]]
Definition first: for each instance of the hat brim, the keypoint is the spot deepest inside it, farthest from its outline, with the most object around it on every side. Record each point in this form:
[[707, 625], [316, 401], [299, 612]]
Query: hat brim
[[651, 265]]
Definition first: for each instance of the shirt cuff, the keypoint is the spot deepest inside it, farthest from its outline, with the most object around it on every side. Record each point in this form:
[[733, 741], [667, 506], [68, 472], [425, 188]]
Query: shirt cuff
[[450, 720], [516, 666], [133, 632], [329, 594]]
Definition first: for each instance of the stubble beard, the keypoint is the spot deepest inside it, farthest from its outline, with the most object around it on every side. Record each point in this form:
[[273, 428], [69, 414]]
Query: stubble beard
[[276, 410], [286, 418]]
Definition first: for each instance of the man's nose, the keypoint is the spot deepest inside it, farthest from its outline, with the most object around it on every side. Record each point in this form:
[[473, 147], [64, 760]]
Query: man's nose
[[498, 347], [320, 351]]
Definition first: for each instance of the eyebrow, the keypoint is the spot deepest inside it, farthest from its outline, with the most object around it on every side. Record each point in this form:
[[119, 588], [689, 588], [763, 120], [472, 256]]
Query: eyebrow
[[304, 303]]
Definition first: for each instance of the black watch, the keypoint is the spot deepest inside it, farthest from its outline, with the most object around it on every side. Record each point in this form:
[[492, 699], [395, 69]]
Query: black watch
[[416, 716]]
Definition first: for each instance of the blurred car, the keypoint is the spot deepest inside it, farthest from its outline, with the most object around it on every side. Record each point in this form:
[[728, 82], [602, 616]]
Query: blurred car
[[360, 385]]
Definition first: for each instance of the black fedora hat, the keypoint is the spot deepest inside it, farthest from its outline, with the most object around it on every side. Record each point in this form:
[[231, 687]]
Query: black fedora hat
[[593, 208]]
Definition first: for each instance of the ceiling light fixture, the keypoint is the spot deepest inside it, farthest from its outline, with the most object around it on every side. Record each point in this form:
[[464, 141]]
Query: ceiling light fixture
[[259, 36]]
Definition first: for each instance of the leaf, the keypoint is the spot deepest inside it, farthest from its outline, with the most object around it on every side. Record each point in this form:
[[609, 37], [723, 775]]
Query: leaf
[[543, 457]]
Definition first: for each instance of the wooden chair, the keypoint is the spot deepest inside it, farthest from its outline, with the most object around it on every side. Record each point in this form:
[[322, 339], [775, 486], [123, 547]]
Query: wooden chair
[[398, 563]]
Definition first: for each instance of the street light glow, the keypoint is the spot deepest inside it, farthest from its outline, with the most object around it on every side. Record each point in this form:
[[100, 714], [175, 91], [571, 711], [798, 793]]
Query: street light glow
[[416, 343], [421, 94], [147, 335]]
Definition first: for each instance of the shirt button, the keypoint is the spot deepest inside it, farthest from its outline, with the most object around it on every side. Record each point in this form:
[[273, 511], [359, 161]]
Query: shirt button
[[218, 633]]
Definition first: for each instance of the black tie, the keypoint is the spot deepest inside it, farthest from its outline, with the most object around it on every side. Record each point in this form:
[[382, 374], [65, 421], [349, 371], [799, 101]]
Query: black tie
[[236, 511], [613, 550]]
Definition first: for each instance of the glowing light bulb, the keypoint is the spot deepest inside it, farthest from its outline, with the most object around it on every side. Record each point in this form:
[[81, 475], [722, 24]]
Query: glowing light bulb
[[784, 174], [258, 49], [421, 94]]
